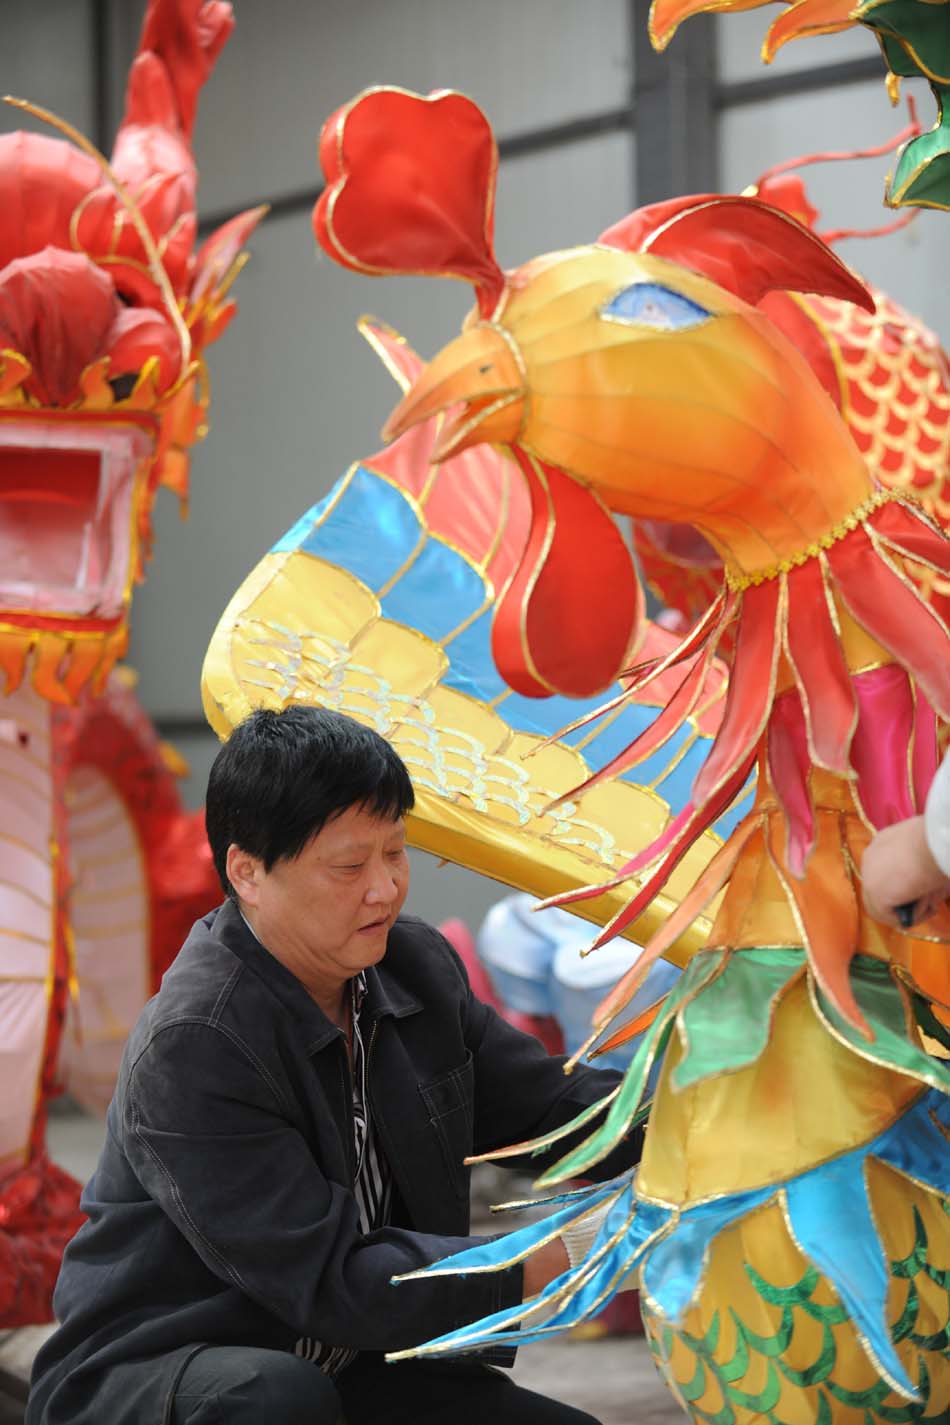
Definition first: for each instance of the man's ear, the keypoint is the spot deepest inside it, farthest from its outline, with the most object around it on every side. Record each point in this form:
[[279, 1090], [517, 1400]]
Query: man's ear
[[245, 873]]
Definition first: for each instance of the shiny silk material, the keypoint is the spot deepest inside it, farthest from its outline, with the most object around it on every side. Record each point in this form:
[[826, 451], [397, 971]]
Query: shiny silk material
[[804, 1079]]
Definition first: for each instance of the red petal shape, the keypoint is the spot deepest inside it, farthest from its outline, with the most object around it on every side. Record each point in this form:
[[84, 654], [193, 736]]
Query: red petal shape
[[879, 754], [139, 333], [885, 603], [814, 652], [569, 616], [56, 308], [104, 230], [219, 252], [751, 687], [789, 765], [42, 180], [908, 530], [411, 188], [743, 244]]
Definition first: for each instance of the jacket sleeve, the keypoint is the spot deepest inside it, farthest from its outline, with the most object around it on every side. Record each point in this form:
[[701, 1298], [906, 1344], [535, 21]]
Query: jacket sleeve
[[209, 1136], [937, 817], [522, 1092]]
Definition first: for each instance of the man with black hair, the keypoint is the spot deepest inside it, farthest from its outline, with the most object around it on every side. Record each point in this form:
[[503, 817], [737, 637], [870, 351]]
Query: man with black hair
[[289, 1130]]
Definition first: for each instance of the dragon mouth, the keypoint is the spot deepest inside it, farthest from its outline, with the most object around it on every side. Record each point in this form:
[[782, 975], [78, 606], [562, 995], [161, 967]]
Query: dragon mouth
[[68, 496]]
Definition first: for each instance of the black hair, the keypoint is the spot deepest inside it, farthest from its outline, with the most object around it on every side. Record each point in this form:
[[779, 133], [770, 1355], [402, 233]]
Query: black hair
[[281, 776]]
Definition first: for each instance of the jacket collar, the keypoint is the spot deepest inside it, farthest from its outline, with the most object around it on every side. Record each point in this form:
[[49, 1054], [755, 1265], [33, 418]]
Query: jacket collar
[[384, 994]]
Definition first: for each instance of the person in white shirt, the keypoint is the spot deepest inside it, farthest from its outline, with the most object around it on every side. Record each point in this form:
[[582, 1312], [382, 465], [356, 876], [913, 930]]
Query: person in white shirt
[[907, 865]]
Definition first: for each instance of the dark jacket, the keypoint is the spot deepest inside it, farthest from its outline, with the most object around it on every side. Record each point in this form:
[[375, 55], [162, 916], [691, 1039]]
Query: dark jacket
[[222, 1211]]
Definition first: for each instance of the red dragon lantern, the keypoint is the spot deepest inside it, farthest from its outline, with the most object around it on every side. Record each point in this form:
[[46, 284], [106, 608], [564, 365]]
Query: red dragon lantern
[[106, 309]]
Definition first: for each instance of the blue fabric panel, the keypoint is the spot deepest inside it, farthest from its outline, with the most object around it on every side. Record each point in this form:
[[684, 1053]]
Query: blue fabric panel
[[473, 669], [371, 530], [439, 591]]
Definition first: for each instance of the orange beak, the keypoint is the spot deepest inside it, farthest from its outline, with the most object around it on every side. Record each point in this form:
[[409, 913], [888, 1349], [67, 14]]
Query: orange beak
[[481, 371]]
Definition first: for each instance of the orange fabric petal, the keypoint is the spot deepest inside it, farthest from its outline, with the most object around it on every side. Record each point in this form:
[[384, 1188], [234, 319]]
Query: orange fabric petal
[[826, 909], [631, 1030], [666, 16], [808, 17], [48, 663], [14, 648]]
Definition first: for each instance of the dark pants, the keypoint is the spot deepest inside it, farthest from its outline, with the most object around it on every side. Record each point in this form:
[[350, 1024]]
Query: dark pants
[[232, 1385]]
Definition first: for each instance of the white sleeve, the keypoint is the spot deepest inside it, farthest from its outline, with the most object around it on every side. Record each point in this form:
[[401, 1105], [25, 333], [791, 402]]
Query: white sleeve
[[937, 817]]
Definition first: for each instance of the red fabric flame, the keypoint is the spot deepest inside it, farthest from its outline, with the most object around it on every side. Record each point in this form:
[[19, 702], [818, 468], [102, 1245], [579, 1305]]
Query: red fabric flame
[[411, 189], [742, 244], [570, 614]]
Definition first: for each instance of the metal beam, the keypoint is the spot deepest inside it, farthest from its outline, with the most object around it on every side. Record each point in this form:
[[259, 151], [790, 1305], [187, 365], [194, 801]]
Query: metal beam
[[674, 100], [799, 81], [102, 77]]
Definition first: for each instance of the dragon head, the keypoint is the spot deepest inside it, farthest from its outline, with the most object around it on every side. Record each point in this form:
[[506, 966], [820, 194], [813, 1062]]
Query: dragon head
[[639, 369], [105, 312]]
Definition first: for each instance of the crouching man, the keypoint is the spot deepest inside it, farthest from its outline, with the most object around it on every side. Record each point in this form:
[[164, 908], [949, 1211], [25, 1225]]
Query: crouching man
[[289, 1129]]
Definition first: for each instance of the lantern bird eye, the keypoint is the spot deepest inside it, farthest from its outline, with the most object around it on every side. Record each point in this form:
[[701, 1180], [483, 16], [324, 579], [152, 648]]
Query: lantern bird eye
[[647, 304]]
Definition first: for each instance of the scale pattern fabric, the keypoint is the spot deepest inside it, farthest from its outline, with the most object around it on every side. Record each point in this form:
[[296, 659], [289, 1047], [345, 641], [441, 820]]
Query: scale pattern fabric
[[799, 1125]]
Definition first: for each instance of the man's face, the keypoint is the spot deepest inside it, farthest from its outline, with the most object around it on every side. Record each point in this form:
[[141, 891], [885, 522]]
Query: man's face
[[326, 913]]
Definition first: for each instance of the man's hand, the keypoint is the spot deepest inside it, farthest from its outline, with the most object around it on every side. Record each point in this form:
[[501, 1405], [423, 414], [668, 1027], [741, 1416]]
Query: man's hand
[[543, 1266], [898, 869]]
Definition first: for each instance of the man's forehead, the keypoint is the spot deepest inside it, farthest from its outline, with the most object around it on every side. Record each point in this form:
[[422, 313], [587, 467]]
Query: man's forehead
[[360, 825]]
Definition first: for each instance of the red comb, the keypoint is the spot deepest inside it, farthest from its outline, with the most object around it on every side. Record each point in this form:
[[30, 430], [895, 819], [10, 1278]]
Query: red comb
[[411, 189]]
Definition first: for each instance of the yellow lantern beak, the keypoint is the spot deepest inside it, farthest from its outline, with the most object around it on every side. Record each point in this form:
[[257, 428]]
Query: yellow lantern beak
[[482, 373]]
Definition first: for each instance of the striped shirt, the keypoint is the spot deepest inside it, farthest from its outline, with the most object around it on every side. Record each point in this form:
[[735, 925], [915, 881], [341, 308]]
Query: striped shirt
[[372, 1187]]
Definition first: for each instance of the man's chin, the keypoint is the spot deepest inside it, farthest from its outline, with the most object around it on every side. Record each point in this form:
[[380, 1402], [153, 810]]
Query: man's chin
[[369, 944]]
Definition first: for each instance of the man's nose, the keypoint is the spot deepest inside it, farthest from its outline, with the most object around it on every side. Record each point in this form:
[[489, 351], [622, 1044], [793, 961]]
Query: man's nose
[[382, 886]]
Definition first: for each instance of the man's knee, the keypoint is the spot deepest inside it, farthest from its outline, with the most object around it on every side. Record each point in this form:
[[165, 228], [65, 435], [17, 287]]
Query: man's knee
[[291, 1391], [245, 1386], [534, 1409]]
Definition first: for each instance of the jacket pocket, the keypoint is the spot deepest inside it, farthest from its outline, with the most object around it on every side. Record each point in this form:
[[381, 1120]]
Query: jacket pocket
[[449, 1102]]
